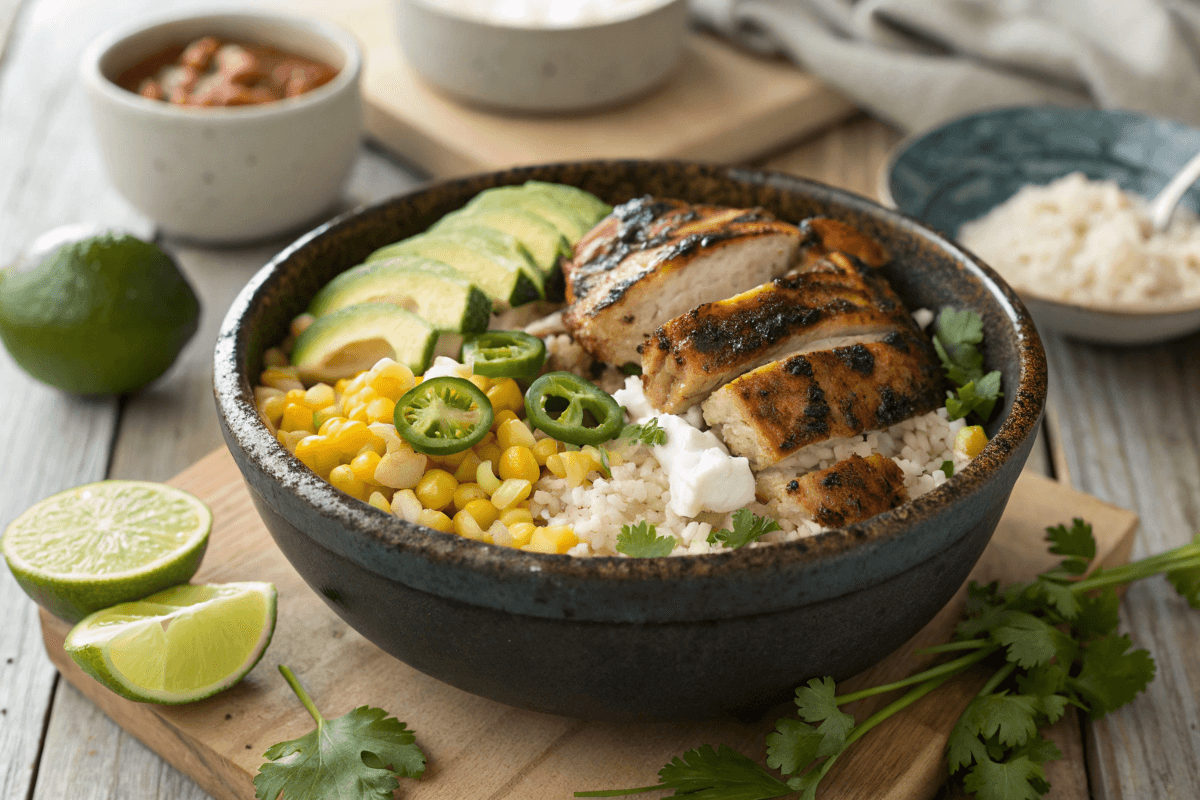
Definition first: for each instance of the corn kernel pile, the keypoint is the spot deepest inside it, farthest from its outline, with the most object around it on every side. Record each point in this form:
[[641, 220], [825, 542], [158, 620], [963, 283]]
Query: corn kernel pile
[[345, 434]]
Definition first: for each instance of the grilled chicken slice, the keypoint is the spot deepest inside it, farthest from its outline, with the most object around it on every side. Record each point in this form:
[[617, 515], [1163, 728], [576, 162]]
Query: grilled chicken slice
[[652, 260], [850, 491], [823, 236], [768, 414], [833, 304]]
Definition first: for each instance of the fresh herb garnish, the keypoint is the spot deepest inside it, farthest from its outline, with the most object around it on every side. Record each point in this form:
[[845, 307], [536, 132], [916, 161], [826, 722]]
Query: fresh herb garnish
[[1050, 643], [747, 527], [948, 468], [631, 368], [957, 334], [648, 433], [357, 756], [642, 541]]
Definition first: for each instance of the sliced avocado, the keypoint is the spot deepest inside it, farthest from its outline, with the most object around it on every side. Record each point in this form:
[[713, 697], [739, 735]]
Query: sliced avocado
[[543, 241], [448, 302], [346, 342], [570, 223], [493, 261], [590, 207]]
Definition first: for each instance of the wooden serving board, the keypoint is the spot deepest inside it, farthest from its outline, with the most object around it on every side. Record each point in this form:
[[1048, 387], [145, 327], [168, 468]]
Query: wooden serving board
[[721, 104], [481, 749]]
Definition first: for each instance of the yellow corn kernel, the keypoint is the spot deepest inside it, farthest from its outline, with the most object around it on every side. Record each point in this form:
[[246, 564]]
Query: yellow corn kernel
[[261, 393], [552, 539], [375, 445], [390, 379], [406, 506], [577, 464], [594, 454], [506, 395], [282, 378], [452, 461], [323, 415], [466, 526], [482, 382], [320, 396], [316, 454], [436, 488], [300, 323], [274, 357], [482, 511], [544, 449], [556, 465], [342, 477], [401, 469], [296, 396], [489, 452], [467, 467], [297, 418], [521, 533], [363, 466], [486, 479], [380, 410], [514, 433], [513, 515], [378, 500], [970, 441], [466, 492], [358, 413], [499, 534], [339, 388], [511, 491], [365, 395], [350, 436], [502, 417], [356, 383], [272, 408], [436, 520], [519, 462], [282, 438]]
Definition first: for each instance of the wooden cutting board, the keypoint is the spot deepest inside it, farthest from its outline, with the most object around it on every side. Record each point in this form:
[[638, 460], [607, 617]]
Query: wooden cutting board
[[481, 749], [721, 105]]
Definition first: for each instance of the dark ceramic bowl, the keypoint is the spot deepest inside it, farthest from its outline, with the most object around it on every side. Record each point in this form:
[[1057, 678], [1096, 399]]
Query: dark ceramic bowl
[[619, 638], [960, 171]]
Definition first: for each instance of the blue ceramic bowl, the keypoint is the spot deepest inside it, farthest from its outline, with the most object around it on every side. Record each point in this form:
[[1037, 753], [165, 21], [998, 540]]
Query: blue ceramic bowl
[[622, 638], [965, 168]]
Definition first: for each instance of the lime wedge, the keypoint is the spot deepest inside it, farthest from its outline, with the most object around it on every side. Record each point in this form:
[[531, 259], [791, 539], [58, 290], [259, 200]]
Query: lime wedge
[[179, 645], [104, 543]]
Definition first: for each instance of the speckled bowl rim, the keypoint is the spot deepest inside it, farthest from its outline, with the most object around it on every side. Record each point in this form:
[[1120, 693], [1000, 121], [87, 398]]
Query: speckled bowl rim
[[1129, 311], [235, 403], [549, 30]]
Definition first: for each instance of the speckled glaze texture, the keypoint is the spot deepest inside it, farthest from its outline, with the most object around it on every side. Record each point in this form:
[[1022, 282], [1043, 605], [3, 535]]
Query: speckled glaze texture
[[618, 638]]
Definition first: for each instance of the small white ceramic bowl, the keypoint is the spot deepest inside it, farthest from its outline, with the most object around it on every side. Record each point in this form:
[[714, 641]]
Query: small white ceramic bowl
[[542, 69], [228, 174]]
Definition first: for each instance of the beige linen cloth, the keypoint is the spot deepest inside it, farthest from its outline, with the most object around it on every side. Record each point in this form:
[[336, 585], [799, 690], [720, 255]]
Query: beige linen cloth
[[920, 62]]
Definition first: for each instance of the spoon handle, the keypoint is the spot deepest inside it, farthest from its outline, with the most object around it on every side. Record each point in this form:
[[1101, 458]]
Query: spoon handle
[[1163, 206]]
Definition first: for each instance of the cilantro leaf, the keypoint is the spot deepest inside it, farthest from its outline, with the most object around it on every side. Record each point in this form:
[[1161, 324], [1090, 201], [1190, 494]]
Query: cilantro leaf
[[948, 469], [648, 433], [723, 774], [747, 527], [1031, 640], [1044, 685], [793, 746], [1019, 778], [1187, 580], [643, 541], [1076, 543], [1058, 596], [978, 395], [1008, 717], [1098, 615], [816, 703], [1109, 677], [964, 747], [356, 756], [957, 334]]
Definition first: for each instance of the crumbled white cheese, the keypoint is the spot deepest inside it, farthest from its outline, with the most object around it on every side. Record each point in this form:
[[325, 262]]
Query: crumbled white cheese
[[702, 474], [444, 366]]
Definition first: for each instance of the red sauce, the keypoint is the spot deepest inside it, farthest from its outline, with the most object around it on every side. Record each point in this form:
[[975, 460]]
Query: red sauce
[[212, 72]]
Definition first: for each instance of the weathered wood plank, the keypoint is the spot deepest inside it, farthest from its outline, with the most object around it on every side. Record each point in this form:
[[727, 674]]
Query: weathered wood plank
[[50, 174], [1130, 436]]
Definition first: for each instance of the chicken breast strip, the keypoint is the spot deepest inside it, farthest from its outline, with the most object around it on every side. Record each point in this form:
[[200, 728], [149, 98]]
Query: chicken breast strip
[[850, 491]]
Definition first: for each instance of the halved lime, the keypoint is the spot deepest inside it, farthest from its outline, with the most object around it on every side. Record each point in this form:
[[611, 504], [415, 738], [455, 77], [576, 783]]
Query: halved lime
[[104, 543], [179, 645]]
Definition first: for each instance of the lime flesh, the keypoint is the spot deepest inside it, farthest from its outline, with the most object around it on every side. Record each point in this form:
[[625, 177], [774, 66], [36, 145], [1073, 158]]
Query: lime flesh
[[179, 645], [106, 543]]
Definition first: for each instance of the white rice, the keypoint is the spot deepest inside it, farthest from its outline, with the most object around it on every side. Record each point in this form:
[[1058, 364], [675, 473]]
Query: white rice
[[1088, 241], [639, 489]]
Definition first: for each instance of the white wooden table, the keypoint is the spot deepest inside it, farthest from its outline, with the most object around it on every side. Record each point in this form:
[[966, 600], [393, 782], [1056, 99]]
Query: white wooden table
[[1125, 426]]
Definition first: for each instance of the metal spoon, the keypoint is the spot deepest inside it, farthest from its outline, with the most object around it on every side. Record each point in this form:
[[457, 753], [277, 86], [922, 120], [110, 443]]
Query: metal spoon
[[1163, 206]]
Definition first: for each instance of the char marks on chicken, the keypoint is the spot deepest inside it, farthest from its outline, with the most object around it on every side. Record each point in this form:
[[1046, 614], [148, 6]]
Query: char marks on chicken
[[771, 412], [652, 260], [850, 491]]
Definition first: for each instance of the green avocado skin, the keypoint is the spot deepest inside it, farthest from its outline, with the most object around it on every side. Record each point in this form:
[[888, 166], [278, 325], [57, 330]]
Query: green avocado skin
[[106, 315]]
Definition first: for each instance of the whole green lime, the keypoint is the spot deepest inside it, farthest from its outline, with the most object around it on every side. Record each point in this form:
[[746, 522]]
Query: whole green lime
[[104, 315]]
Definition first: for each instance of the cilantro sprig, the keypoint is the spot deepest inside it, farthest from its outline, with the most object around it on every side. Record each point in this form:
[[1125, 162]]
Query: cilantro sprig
[[642, 541], [958, 333], [1050, 643], [357, 756], [747, 527], [649, 433]]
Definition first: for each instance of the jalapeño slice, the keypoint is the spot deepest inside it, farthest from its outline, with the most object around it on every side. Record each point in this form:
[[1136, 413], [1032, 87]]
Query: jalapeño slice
[[556, 403], [504, 354], [443, 415]]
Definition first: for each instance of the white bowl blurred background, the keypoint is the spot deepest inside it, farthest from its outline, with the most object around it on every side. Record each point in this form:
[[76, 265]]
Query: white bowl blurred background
[[624, 49], [228, 174]]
